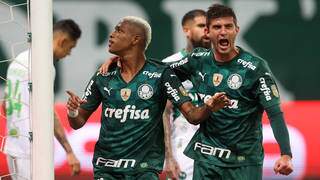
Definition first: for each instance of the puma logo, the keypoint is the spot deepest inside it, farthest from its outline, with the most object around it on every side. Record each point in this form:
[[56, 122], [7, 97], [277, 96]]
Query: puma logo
[[108, 90], [202, 75]]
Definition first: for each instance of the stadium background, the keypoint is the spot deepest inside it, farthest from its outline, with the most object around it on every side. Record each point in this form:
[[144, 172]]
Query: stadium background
[[284, 32]]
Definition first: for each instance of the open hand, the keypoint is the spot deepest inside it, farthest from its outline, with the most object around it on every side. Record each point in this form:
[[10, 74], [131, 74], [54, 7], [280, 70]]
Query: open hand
[[105, 66]]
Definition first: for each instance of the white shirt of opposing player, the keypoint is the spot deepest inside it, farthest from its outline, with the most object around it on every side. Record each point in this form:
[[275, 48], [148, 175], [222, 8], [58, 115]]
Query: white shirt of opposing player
[[17, 107], [182, 130]]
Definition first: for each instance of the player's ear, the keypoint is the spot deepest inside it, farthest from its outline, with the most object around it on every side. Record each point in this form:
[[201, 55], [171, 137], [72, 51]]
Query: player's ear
[[64, 41], [237, 29], [186, 31], [136, 39]]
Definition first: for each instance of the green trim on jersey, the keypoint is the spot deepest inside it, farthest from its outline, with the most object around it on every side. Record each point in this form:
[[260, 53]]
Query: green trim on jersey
[[131, 134], [233, 135]]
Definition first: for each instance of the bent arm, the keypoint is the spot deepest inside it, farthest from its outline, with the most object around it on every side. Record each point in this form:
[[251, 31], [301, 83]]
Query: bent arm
[[194, 115], [80, 120]]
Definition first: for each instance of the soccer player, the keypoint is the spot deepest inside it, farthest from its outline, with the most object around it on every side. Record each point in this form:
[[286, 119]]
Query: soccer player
[[228, 145], [193, 24], [133, 97], [17, 147]]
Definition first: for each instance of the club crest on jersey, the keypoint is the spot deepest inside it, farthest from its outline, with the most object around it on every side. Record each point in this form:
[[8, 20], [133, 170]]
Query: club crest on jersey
[[234, 81], [274, 90], [145, 91], [217, 79], [183, 91], [125, 94]]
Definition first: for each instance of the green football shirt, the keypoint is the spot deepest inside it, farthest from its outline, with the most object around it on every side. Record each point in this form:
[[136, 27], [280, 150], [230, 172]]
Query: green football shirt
[[131, 134], [187, 84], [233, 135]]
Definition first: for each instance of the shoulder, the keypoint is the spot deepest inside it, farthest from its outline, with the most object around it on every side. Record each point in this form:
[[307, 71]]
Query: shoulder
[[23, 55], [155, 69], [18, 68], [112, 71], [21, 60], [251, 61], [175, 57], [200, 52], [156, 65]]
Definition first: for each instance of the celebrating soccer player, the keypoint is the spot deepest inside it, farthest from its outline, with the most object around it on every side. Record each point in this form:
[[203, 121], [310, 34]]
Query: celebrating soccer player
[[229, 144], [133, 97]]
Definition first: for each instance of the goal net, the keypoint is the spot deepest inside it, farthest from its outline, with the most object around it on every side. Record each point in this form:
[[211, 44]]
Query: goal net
[[15, 140], [26, 125]]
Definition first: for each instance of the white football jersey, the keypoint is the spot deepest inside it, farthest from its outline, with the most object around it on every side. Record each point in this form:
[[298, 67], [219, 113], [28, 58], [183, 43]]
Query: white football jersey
[[17, 107]]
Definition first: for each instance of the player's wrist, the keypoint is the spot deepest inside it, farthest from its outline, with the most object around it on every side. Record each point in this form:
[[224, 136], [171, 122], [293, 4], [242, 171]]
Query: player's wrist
[[73, 114], [287, 156]]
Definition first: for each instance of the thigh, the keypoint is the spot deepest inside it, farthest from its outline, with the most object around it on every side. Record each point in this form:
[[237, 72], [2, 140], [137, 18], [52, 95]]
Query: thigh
[[206, 171], [243, 173], [150, 175], [108, 176]]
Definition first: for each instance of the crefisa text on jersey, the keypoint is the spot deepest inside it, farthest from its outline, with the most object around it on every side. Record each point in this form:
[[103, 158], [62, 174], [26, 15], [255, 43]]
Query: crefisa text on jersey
[[173, 92], [264, 88], [128, 112], [246, 64], [152, 74]]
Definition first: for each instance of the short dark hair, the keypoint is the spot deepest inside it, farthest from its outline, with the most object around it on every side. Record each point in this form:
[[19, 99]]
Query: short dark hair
[[191, 15], [218, 11], [68, 26]]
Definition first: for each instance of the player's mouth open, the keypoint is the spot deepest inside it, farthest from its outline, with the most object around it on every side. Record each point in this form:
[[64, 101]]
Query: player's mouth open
[[223, 43]]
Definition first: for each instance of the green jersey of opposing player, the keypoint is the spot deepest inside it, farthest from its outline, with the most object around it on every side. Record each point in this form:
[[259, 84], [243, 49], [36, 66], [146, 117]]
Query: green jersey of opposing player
[[232, 136]]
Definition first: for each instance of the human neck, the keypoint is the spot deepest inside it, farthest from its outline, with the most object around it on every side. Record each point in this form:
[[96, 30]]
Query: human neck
[[189, 47], [131, 65], [220, 57]]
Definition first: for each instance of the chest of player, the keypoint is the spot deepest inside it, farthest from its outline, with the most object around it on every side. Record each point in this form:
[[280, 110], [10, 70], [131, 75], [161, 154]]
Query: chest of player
[[142, 91], [234, 79]]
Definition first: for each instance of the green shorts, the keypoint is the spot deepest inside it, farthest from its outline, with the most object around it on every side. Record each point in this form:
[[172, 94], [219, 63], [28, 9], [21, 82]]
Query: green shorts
[[148, 175], [206, 171]]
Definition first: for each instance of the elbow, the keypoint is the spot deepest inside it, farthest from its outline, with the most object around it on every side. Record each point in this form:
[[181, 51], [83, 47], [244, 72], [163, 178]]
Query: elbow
[[194, 121], [75, 125]]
